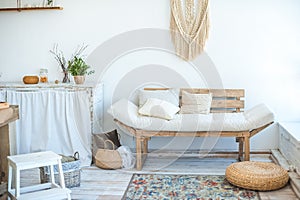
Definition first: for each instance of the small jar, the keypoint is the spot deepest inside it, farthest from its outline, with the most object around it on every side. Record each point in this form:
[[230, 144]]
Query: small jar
[[44, 75]]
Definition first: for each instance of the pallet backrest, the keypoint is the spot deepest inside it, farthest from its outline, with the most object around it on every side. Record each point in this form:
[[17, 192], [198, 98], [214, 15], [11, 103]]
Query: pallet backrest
[[224, 100]]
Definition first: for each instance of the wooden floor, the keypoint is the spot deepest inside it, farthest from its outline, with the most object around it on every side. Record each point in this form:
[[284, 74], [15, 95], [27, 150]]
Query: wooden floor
[[111, 184]]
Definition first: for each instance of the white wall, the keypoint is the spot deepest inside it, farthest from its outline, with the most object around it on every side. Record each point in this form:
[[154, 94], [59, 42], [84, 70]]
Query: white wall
[[253, 44]]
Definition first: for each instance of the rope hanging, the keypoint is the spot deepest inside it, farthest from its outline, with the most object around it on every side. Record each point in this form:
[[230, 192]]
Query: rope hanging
[[189, 26]]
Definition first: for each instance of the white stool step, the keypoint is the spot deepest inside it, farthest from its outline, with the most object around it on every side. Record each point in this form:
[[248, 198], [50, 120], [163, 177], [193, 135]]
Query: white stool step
[[21, 162], [33, 160], [50, 194]]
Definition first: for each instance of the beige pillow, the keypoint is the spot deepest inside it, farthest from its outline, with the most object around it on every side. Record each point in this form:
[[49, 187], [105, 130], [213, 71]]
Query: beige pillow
[[159, 108], [195, 103]]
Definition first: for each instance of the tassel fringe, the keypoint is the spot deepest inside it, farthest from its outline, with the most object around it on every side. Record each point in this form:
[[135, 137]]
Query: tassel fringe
[[190, 32]]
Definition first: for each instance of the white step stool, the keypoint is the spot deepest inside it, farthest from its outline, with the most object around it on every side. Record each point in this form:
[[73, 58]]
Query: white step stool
[[42, 191]]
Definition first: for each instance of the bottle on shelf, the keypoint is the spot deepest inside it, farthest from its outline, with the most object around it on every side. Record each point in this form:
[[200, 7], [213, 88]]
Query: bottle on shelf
[[44, 75]]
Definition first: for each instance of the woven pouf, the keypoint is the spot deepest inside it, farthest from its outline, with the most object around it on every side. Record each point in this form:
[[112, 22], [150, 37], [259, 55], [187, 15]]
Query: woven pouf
[[259, 176]]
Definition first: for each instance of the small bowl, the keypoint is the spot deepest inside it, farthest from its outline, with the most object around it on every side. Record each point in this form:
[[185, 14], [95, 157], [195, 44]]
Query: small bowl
[[31, 79]]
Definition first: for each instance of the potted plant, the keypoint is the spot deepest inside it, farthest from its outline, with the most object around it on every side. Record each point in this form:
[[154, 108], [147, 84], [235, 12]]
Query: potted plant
[[61, 59], [78, 69]]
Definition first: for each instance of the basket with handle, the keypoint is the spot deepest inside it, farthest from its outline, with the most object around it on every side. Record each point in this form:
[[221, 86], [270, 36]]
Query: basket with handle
[[71, 170], [107, 158]]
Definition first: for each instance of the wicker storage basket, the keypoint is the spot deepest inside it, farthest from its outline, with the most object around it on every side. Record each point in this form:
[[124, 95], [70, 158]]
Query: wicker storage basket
[[108, 159], [259, 176], [71, 172]]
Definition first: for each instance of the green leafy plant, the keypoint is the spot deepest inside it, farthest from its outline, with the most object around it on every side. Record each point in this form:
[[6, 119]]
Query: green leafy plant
[[78, 67]]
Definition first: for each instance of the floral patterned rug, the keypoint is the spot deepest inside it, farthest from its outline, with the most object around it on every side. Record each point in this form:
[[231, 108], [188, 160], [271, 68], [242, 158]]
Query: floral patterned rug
[[189, 187]]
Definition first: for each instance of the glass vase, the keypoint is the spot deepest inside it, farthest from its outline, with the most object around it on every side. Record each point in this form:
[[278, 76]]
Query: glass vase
[[66, 78]]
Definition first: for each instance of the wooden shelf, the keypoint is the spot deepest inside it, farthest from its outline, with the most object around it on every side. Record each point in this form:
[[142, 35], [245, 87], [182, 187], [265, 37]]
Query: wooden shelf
[[32, 8]]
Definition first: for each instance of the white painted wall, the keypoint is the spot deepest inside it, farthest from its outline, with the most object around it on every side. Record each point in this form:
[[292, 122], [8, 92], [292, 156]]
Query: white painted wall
[[254, 44]]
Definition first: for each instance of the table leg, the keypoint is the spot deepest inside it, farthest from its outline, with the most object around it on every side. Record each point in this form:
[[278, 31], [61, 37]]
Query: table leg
[[52, 177], [61, 174], [138, 153], [9, 185], [5, 151], [17, 182]]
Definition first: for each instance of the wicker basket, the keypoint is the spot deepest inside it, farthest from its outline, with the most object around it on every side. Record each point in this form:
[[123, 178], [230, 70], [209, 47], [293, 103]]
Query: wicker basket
[[259, 176], [108, 159], [71, 172]]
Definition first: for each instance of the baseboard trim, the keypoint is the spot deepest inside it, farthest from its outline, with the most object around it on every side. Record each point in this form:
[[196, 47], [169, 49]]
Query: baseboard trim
[[279, 159], [201, 153]]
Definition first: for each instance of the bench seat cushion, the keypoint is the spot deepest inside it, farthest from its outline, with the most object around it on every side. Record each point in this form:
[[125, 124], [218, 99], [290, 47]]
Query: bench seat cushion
[[127, 112]]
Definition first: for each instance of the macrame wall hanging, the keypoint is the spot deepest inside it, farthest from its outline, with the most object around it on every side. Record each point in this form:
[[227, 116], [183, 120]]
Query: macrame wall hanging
[[189, 26]]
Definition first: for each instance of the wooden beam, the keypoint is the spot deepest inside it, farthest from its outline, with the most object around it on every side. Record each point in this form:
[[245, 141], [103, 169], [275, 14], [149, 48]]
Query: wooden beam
[[217, 92], [255, 131], [227, 104]]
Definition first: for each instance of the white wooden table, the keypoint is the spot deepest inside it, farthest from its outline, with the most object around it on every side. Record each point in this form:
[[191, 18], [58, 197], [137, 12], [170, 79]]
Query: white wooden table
[[5, 149]]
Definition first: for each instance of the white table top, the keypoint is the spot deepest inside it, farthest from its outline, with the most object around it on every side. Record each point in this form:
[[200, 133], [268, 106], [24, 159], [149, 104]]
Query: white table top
[[32, 160], [293, 128], [14, 85]]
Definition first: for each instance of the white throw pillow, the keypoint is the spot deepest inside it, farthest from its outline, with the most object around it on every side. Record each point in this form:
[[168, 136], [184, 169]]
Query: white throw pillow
[[170, 95], [159, 108], [124, 110], [195, 103], [127, 112]]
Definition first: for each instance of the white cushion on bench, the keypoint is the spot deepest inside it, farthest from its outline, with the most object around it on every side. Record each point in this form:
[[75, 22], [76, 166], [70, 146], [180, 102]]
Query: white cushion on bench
[[127, 113], [159, 108]]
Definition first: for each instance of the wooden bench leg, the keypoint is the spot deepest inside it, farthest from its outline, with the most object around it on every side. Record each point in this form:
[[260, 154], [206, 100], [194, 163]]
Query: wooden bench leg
[[141, 151], [241, 148], [145, 145], [145, 150], [247, 148], [138, 153]]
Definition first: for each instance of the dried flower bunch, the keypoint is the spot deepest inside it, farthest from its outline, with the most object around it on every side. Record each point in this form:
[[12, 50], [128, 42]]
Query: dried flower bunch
[[60, 58]]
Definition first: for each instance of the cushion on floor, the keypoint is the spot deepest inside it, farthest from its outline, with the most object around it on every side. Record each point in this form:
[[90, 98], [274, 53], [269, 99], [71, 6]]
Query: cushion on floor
[[261, 176]]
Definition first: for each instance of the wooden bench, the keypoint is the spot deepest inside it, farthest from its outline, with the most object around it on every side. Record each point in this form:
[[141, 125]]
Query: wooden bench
[[224, 101]]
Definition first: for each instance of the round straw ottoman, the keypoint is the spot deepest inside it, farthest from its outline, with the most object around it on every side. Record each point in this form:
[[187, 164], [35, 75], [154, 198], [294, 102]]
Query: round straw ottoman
[[259, 176]]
